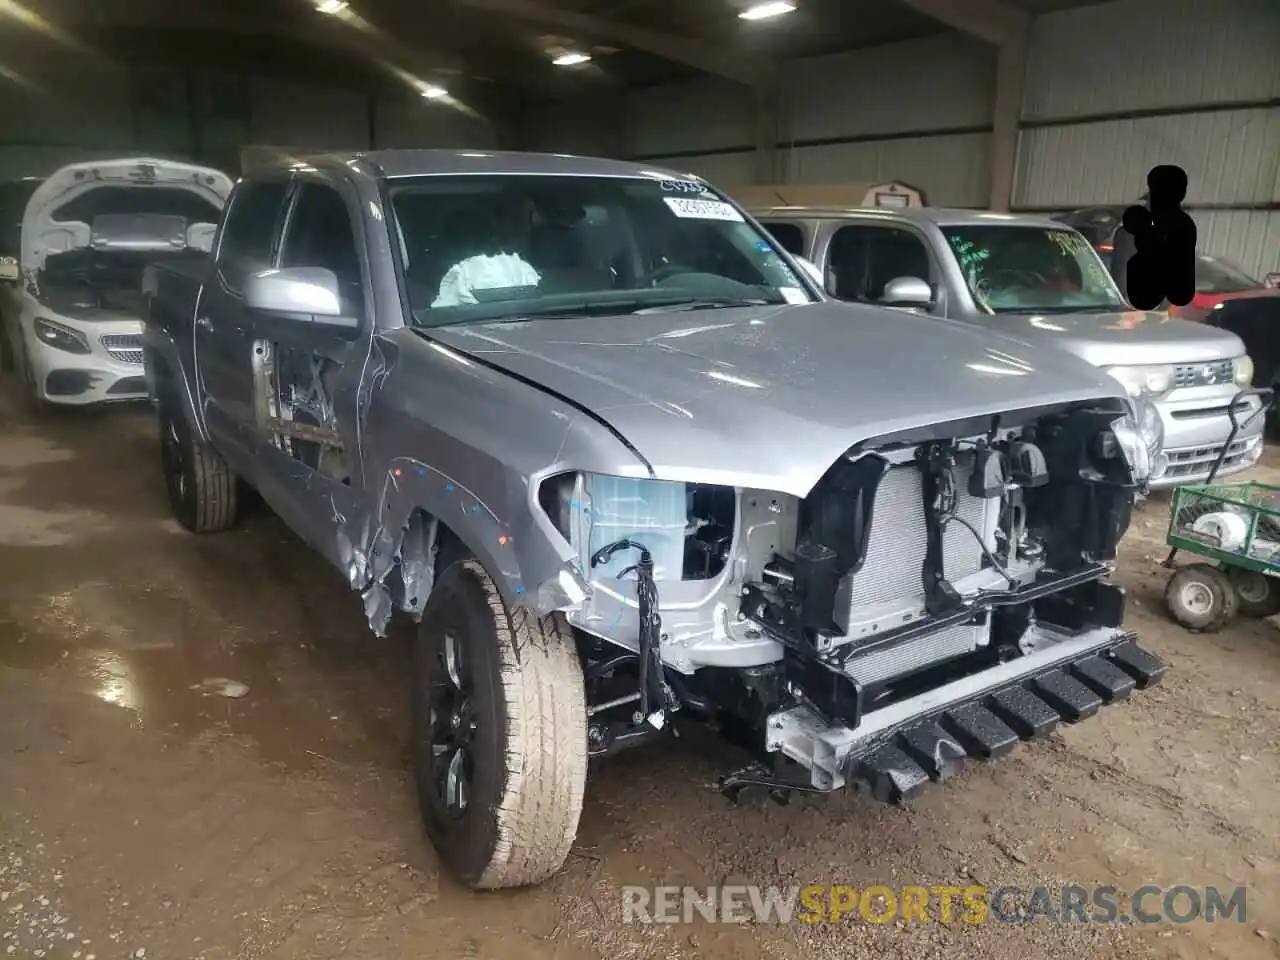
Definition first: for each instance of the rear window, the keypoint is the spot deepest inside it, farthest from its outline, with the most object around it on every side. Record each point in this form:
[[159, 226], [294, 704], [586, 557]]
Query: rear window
[[789, 236]]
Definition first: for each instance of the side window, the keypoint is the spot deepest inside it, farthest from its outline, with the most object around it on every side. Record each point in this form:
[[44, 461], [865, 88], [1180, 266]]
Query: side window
[[320, 234], [863, 259], [789, 235], [249, 230]]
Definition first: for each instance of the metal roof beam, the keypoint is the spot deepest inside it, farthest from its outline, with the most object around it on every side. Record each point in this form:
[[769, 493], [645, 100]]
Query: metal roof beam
[[702, 56], [988, 20]]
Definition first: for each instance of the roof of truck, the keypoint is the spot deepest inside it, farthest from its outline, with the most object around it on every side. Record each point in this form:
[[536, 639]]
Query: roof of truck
[[410, 163], [941, 216]]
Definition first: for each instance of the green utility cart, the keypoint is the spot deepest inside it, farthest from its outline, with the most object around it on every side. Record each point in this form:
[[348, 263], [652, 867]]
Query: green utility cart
[[1235, 528]]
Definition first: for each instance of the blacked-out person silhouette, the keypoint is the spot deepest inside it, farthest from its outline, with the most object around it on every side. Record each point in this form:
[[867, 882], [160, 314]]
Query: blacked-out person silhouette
[[1164, 236]]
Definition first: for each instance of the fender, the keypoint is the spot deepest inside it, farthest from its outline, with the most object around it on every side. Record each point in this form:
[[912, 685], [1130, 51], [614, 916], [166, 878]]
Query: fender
[[166, 375]]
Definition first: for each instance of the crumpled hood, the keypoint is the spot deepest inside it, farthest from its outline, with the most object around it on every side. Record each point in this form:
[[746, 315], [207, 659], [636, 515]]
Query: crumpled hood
[[1129, 337], [769, 397]]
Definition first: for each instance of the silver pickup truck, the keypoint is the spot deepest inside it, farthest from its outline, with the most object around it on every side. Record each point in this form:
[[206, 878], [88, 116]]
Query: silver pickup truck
[[630, 468], [1038, 280]]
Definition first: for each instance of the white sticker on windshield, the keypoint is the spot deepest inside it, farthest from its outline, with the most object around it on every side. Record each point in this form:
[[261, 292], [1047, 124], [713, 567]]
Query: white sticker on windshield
[[793, 295], [702, 209]]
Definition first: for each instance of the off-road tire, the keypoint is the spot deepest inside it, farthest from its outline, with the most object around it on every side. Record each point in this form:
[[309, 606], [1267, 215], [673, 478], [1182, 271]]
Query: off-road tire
[[202, 489], [529, 746], [1201, 598], [1256, 594]]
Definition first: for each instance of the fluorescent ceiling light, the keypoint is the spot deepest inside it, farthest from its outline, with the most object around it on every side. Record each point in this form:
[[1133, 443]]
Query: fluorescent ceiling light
[[763, 11], [571, 59], [432, 92], [331, 6]]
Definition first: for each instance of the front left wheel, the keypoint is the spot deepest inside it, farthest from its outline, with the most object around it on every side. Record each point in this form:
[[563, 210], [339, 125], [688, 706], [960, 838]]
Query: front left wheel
[[499, 732]]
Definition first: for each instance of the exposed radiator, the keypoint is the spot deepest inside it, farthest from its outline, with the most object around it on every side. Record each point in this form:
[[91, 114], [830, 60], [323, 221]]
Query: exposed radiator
[[876, 665], [891, 574]]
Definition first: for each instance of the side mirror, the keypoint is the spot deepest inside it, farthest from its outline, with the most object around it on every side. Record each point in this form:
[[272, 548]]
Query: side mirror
[[307, 294], [1271, 281], [809, 267], [907, 292], [9, 272]]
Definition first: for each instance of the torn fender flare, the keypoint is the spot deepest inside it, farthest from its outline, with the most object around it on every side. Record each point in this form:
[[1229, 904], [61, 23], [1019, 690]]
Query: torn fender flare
[[532, 565]]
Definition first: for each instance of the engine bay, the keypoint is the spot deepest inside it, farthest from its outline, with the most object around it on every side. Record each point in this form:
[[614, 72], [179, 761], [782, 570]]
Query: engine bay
[[915, 561]]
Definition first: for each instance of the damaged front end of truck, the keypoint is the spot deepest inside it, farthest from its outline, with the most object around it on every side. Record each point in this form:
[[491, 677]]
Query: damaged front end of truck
[[939, 594]]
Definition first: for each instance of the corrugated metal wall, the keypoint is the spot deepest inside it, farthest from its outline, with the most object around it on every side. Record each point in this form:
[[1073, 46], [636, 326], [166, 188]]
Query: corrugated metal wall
[[207, 116], [1115, 89], [917, 111]]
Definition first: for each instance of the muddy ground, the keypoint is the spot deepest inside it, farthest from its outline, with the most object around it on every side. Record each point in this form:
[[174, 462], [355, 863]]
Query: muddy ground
[[141, 816]]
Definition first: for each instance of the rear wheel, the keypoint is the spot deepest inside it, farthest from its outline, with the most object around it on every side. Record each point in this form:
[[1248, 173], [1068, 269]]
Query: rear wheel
[[202, 489], [1201, 598], [500, 740], [1258, 595]]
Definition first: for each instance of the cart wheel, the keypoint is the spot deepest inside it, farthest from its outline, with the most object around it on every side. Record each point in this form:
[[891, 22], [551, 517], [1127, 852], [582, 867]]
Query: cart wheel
[[1258, 595], [1201, 598]]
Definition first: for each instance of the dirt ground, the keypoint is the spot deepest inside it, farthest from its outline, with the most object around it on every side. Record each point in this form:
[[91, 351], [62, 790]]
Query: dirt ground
[[143, 816]]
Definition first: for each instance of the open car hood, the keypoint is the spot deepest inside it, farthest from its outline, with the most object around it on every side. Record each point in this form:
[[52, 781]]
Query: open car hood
[[42, 236], [769, 397]]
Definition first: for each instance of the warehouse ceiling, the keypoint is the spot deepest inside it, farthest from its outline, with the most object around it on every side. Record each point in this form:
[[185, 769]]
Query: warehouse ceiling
[[461, 44]]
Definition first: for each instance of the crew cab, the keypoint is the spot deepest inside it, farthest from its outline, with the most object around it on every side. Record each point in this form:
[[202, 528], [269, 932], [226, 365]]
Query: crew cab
[[69, 292], [1040, 281], [630, 468]]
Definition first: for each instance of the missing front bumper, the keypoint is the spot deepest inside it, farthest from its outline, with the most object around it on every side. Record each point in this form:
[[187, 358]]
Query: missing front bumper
[[896, 751]]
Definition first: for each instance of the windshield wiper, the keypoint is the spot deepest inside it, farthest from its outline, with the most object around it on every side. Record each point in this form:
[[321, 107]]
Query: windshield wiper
[[616, 308], [709, 303], [1061, 308]]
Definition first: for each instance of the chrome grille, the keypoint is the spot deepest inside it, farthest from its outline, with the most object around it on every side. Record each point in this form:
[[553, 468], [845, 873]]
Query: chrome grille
[[895, 661], [895, 553], [125, 347], [1204, 374], [1194, 461]]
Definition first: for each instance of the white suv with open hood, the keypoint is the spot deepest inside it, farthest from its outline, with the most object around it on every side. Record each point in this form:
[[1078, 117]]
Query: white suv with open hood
[[70, 297]]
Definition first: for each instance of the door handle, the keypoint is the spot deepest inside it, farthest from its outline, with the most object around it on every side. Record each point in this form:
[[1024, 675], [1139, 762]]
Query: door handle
[[204, 322]]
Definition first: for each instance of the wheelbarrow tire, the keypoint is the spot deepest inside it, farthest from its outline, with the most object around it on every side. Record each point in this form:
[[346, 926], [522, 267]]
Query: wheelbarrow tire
[[1257, 595], [1201, 598]]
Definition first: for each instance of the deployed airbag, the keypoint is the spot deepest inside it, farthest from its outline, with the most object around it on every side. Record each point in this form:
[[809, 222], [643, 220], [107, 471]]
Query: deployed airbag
[[506, 271]]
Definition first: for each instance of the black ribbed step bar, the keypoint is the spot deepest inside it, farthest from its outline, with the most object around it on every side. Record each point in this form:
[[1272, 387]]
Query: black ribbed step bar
[[992, 723]]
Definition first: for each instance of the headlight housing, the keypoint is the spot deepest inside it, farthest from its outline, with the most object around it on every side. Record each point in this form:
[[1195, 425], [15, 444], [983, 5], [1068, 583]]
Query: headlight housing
[[1145, 380], [59, 337], [1244, 371], [1140, 436]]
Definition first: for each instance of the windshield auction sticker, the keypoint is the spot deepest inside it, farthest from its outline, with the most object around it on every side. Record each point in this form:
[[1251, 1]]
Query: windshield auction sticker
[[702, 209]]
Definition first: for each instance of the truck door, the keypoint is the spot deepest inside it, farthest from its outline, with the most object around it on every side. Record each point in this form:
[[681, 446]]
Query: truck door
[[308, 376], [223, 331]]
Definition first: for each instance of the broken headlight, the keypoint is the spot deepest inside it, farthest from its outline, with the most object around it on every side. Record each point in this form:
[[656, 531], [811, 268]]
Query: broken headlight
[[686, 527], [1140, 436]]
